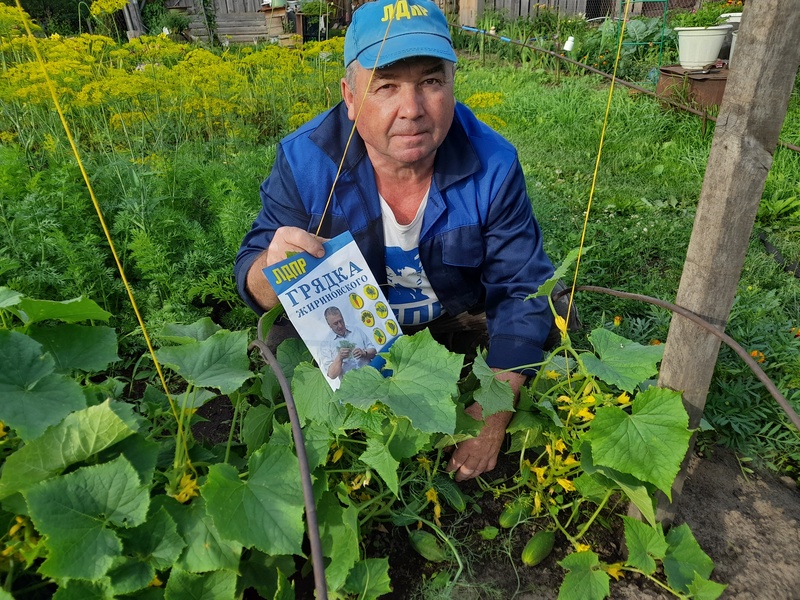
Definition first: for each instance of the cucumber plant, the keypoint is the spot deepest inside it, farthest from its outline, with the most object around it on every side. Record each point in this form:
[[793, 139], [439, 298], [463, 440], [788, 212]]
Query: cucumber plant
[[102, 497]]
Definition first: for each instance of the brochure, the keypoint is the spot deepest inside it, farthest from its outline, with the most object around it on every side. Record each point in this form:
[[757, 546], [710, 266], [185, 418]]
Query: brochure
[[336, 306]]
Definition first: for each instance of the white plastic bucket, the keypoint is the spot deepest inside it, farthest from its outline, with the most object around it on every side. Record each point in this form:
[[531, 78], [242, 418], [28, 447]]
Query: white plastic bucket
[[700, 46]]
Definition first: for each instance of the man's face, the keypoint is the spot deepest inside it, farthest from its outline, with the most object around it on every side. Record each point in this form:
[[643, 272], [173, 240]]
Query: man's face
[[407, 110], [336, 323]]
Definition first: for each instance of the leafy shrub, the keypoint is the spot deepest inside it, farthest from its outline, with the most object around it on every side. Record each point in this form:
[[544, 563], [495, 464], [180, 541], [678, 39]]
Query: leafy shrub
[[645, 41]]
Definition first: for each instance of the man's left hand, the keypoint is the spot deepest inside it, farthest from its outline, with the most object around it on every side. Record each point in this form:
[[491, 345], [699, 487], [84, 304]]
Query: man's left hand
[[477, 455]]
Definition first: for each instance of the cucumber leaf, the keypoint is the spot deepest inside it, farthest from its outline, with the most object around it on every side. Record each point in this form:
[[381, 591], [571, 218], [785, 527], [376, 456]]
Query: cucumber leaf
[[422, 387], [32, 396], [78, 347], [76, 438], [584, 579], [220, 361], [649, 443], [79, 513], [622, 362], [268, 504]]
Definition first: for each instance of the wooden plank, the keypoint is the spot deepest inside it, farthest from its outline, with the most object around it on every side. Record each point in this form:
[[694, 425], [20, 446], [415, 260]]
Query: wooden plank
[[509, 8], [250, 17], [469, 11], [273, 16], [745, 138]]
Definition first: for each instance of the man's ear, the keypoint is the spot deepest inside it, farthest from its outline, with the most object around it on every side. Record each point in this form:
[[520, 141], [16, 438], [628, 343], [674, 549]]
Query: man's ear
[[348, 95]]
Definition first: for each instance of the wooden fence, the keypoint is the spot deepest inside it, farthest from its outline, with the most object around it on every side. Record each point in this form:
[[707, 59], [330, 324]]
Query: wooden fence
[[470, 10], [248, 21]]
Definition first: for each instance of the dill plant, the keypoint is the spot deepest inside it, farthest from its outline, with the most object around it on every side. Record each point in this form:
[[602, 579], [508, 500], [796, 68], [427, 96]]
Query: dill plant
[[174, 138]]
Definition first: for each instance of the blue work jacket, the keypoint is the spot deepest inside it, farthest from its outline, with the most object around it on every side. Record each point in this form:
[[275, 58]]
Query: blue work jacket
[[480, 244]]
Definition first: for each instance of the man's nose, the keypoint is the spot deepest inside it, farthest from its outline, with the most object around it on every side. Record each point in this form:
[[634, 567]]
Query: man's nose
[[411, 102]]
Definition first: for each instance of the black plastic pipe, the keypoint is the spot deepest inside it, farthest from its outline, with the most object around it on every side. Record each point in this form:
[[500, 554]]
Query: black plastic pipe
[[686, 313], [317, 560]]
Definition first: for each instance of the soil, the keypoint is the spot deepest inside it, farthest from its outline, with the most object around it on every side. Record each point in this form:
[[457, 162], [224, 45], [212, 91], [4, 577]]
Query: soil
[[748, 523]]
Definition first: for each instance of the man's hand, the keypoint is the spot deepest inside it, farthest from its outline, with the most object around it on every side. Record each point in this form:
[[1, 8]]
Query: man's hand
[[479, 454], [362, 353], [475, 456], [336, 366], [286, 239]]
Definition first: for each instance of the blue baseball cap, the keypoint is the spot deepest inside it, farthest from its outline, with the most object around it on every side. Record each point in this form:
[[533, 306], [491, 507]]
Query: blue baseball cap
[[416, 28]]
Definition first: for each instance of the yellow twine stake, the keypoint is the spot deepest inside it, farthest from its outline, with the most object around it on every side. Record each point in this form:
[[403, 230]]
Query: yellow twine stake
[[77, 155], [355, 122], [597, 161]]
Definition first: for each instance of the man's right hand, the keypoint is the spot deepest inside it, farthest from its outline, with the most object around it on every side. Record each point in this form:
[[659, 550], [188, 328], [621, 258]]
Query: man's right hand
[[286, 239]]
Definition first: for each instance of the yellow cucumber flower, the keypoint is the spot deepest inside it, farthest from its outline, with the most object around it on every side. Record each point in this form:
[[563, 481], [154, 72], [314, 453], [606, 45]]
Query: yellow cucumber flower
[[540, 471], [433, 496], [615, 570], [566, 484], [187, 489]]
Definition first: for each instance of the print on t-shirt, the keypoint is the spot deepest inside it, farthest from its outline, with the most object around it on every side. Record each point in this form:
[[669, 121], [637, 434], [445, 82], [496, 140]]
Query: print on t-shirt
[[409, 291]]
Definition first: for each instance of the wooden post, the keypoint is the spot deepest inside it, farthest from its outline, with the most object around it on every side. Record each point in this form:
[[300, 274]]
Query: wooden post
[[133, 19], [746, 135], [469, 11]]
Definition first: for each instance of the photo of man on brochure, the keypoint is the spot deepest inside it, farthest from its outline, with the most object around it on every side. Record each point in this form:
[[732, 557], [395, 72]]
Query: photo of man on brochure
[[346, 348]]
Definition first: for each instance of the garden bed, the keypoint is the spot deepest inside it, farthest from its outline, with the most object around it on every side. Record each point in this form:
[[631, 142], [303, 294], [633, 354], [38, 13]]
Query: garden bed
[[745, 518], [746, 522]]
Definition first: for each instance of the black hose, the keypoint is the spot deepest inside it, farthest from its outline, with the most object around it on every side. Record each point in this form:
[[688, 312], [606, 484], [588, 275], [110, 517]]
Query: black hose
[[791, 268], [686, 313], [317, 560]]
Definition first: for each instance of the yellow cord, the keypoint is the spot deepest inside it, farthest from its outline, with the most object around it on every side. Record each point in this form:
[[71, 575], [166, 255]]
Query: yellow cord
[[96, 204], [355, 122], [597, 161]]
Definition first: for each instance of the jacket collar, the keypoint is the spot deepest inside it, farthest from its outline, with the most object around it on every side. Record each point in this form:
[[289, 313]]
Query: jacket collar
[[455, 159]]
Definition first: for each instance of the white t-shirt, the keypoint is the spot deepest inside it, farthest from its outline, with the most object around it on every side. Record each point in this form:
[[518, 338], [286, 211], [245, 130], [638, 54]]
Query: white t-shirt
[[409, 292]]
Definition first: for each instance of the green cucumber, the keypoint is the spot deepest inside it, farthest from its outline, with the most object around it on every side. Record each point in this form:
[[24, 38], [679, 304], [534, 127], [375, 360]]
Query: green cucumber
[[427, 545], [451, 493], [517, 511], [538, 547]]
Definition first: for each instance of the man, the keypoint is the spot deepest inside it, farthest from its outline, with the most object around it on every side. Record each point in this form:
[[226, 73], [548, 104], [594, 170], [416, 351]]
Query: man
[[433, 198], [346, 349]]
